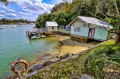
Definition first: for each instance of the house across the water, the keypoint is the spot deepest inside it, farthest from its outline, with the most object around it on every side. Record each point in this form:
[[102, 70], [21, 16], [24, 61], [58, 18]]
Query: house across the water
[[51, 26], [90, 28]]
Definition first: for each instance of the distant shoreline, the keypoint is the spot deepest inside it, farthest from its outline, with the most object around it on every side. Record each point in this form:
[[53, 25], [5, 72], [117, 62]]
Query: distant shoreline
[[13, 24]]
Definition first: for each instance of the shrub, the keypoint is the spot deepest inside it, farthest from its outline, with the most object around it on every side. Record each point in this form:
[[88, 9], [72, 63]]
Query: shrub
[[94, 62], [115, 58], [109, 50], [94, 66]]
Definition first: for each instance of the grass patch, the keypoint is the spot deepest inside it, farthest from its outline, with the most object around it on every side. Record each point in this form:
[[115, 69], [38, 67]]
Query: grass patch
[[95, 62]]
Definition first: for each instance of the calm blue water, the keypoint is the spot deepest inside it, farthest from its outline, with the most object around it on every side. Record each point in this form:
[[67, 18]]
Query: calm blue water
[[14, 43]]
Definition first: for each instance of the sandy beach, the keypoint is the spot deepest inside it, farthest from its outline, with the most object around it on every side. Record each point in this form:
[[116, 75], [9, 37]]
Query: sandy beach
[[73, 47], [68, 46]]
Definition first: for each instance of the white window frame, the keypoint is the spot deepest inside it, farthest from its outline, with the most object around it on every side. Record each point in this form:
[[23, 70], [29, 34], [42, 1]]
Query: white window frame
[[85, 24], [76, 29]]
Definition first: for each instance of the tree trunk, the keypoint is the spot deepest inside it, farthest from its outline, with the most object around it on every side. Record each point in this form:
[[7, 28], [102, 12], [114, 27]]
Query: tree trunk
[[117, 39]]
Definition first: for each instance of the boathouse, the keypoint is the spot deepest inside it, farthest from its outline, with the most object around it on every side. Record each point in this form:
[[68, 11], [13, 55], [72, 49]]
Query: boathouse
[[90, 28], [51, 26]]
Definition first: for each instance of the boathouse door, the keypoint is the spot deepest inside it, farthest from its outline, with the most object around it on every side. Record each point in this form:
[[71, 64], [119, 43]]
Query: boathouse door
[[91, 33]]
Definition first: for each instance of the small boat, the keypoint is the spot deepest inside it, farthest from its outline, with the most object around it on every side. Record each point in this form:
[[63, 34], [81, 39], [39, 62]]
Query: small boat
[[3, 27], [13, 27], [20, 24], [32, 23], [34, 37]]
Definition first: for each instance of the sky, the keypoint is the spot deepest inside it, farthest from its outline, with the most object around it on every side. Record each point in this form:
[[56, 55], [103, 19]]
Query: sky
[[26, 9]]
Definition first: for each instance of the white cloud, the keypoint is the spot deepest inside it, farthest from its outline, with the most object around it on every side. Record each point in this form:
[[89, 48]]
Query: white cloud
[[59, 1], [17, 1], [6, 8], [24, 13], [11, 10], [30, 9], [39, 1], [2, 12], [33, 6], [11, 15], [1, 15]]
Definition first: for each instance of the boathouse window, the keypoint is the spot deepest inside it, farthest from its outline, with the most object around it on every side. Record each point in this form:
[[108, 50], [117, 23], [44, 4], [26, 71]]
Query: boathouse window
[[52, 27], [77, 29], [85, 25]]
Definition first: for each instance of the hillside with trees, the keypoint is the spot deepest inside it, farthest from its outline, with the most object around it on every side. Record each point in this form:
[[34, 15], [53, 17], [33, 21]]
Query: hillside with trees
[[64, 13], [106, 10]]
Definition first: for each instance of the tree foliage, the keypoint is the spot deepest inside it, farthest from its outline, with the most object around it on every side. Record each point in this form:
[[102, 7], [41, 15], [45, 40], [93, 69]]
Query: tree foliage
[[58, 7], [41, 20], [64, 13], [61, 19], [4, 1]]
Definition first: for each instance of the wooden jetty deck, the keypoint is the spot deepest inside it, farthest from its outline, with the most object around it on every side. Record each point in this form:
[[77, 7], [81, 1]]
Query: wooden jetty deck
[[39, 33]]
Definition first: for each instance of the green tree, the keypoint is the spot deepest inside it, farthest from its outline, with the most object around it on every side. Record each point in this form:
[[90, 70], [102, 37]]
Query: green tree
[[41, 20], [61, 19], [112, 14], [52, 17], [14, 21], [4, 1]]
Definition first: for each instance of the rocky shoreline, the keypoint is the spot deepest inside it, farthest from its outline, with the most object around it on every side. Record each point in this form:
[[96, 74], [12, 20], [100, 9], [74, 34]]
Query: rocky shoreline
[[63, 53], [67, 48]]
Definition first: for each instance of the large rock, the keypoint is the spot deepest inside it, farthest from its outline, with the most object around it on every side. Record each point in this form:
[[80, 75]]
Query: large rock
[[64, 56], [40, 66], [86, 77]]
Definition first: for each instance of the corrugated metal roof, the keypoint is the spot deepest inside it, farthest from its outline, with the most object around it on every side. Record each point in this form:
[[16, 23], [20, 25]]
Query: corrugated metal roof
[[51, 23], [93, 21]]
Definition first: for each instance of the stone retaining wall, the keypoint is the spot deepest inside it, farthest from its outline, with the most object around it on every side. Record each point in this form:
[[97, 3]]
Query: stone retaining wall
[[79, 38], [62, 33]]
